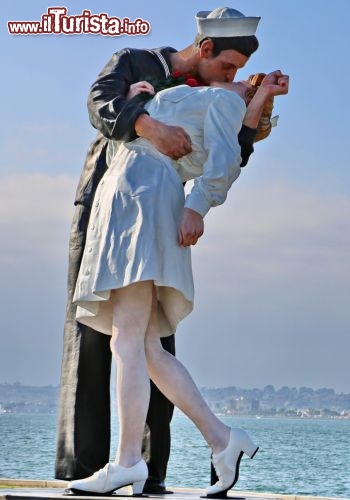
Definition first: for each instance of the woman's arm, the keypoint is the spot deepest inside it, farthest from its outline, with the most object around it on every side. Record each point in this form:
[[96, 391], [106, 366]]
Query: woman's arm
[[138, 88], [222, 123], [109, 111], [121, 119], [274, 84]]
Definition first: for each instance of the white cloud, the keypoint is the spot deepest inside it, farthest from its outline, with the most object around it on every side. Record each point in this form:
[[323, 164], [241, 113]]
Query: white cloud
[[35, 213], [45, 146], [35, 216], [271, 276], [282, 225]]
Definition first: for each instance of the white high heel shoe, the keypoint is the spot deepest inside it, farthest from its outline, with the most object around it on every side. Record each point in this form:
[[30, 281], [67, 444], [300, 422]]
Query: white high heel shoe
[[113, 477], [226, 463]]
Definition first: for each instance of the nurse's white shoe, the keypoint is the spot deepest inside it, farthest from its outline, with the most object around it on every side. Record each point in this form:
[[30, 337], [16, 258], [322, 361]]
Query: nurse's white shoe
[[226, 463], [113, 477]]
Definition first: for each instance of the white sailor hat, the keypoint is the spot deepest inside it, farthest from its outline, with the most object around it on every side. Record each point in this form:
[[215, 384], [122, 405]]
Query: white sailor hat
[[225, 22]]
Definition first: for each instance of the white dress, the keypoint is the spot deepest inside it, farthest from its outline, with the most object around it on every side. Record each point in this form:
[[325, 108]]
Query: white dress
[[133, 228]]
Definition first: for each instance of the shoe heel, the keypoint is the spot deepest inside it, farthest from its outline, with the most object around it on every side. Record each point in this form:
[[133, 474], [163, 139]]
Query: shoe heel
[[255, 452], [249, 448], [137, 488]]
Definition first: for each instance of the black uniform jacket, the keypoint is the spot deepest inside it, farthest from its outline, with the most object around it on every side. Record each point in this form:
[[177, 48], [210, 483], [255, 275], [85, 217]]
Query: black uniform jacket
[[114, 117]]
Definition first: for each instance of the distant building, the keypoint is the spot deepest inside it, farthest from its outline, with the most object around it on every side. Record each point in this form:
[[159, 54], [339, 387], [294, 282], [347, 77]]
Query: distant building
[[255, 406]]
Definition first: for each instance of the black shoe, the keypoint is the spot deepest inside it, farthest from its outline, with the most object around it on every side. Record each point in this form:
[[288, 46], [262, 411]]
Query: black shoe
[[153, 487]]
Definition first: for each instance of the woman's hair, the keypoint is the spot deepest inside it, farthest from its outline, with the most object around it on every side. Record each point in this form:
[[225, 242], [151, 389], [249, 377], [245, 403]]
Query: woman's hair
[[245, 45]]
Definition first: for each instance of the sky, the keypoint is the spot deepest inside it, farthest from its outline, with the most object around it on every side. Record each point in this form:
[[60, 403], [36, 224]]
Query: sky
[[272, 274]]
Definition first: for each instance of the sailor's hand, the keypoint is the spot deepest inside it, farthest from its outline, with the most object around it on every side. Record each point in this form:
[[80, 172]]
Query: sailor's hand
[[168, 139]]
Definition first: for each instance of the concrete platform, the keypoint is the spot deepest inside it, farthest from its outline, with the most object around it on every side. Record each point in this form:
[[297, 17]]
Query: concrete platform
[[59, 494], [13, 489]]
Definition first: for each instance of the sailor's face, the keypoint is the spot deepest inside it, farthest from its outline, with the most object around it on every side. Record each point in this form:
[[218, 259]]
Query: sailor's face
[[221, 68]]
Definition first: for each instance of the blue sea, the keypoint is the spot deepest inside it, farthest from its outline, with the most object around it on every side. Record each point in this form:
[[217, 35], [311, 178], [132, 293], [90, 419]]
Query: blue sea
[[296, 456]]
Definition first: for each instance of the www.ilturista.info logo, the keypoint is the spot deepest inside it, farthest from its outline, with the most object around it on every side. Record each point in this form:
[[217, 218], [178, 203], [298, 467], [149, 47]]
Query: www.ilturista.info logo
[[56, 22]]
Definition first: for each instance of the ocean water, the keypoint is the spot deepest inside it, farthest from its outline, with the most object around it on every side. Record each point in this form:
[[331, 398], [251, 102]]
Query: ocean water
[[296, 456]]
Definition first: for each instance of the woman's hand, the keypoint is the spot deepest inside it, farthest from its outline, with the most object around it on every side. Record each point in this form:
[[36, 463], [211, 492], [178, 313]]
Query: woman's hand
[[191, 227], [276, 83], [139, 87]]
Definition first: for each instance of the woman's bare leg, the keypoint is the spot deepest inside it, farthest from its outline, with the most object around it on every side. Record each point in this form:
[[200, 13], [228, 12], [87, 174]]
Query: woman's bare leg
[[135, 338], [172, 378], [131, 314]]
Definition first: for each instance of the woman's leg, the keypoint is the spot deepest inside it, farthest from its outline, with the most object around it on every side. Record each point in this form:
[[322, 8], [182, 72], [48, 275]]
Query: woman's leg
[[172, 378], [131, 314]]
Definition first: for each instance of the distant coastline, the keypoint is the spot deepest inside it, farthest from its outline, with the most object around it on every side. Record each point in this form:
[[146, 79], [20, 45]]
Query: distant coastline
[[285, 402], [304, 402]]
